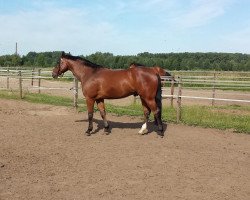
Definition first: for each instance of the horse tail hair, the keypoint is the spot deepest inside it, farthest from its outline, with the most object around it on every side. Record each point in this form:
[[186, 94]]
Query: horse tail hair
[[171, 78], [158, 97], [168, 74], [163, 72]]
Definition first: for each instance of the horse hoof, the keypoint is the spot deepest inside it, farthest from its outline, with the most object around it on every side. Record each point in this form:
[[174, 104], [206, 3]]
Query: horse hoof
[[160, 133], [106, 131], [88, 133], [143, 132]]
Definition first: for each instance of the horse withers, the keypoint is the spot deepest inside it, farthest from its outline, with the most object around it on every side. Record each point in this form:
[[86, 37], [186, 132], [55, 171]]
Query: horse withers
[[99, 83]]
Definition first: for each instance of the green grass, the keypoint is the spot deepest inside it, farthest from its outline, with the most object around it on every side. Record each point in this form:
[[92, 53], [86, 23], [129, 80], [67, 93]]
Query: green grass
[[234, 107], [213, 117], [233, 117], [38, 98]]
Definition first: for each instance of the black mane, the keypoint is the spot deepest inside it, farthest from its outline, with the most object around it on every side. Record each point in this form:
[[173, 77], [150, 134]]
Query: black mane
[[85, 61], [137, 64]]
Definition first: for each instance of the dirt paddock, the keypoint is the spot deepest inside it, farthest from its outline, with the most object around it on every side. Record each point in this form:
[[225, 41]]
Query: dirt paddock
[[45, 155]]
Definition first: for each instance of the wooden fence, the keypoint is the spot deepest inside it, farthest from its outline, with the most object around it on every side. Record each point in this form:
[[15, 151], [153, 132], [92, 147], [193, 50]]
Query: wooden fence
[[212, 83]]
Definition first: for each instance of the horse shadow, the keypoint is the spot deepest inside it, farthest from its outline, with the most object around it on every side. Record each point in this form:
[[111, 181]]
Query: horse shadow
[[152, 128]]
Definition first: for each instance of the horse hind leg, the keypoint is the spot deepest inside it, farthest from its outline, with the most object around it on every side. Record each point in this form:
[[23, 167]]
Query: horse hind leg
[[155, 107], [158, 102], [158, 120], [147, 112]]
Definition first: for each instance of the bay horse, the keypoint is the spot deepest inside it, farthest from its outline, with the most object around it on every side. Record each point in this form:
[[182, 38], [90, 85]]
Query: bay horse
[[99, 83]]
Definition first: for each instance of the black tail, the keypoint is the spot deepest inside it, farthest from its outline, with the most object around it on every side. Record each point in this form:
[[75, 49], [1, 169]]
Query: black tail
[[170, 77], [168, 74], [158, 97]]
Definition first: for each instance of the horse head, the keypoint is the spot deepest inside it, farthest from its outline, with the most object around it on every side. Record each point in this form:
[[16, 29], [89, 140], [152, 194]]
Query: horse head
[[61, 67]]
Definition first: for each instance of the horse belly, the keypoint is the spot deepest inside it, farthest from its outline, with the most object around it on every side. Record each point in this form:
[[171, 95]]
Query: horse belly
[[112, 85], [116, 91]]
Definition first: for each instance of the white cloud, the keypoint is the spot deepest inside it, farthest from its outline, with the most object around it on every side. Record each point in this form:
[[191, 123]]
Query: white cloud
[[53, 29], [238, 41], [120, 27], [201, 12], [80, 30]]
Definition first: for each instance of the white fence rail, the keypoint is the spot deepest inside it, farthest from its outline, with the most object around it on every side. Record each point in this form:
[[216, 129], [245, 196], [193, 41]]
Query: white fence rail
[[210, 85]]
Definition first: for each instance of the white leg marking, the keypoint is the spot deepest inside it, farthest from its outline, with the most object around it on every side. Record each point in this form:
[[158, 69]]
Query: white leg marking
[[143, 129]]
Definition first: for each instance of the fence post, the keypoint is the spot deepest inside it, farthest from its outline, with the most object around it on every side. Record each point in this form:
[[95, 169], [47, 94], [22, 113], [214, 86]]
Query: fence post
[[178, 110], [172, 91], [213, 90], [20, 84], [75, 92], [8, 79], [32, 77], [39, 80], [134, 100]]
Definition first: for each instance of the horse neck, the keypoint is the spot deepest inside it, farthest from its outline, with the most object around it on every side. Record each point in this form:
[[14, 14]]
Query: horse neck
[[74, 67], [80, 71]]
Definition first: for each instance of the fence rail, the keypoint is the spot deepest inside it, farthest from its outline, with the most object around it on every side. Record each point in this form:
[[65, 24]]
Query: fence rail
[[211, 84]]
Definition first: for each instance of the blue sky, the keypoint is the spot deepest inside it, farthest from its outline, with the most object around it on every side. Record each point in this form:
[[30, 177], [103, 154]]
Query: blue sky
[[125, 27]]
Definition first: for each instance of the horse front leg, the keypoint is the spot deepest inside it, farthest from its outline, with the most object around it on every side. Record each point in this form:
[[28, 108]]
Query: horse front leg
[[146, 111], [90, 107], [101, 107]]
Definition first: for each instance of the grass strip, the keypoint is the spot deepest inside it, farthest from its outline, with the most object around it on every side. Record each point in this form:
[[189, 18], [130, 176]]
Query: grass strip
[[205, 116]]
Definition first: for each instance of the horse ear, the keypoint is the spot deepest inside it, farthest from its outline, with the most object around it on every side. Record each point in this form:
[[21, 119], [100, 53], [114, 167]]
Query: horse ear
[[63, 54]]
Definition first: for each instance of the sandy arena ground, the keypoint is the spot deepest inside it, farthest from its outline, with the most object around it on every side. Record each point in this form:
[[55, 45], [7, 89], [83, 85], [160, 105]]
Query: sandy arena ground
[[45, 155]]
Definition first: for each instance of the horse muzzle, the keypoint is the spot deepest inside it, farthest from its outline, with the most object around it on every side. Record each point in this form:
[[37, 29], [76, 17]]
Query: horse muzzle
[[54, 75]]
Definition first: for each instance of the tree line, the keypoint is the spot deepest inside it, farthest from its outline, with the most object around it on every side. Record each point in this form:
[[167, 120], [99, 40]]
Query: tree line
[[170, 61]]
